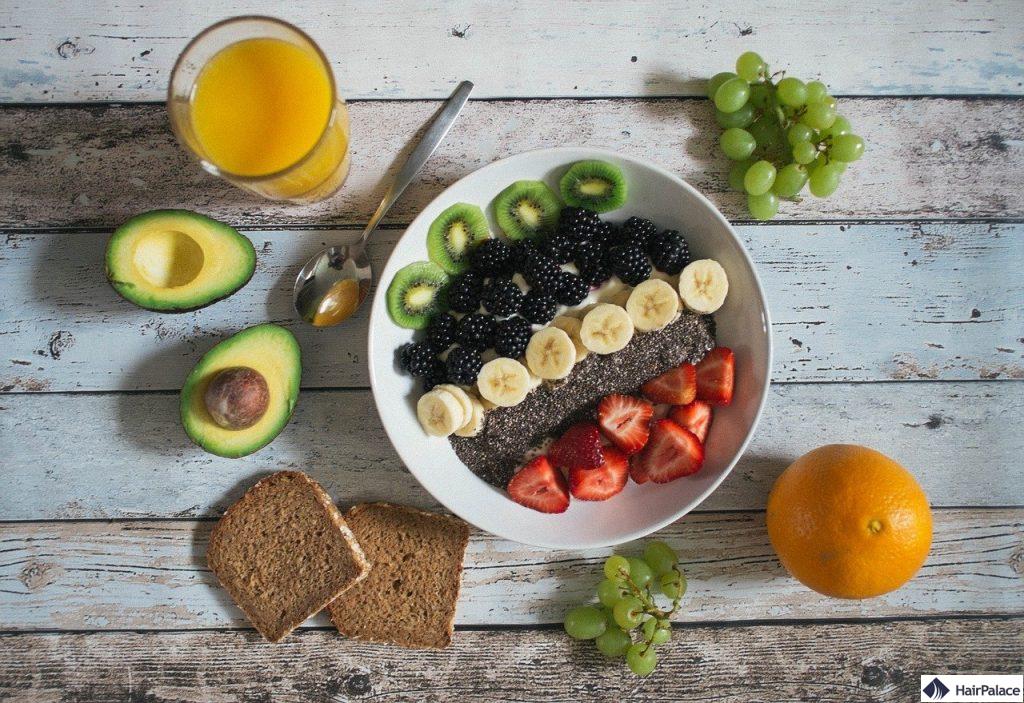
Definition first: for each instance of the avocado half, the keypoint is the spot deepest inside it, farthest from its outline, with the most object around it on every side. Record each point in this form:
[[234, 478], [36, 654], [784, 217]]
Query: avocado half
[[272, 351], [177, 260]]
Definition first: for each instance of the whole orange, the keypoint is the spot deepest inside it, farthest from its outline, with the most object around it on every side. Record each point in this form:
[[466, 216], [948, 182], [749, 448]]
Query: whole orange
[[849, 522]]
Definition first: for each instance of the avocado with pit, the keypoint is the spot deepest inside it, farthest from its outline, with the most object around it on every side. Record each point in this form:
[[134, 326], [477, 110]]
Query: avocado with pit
[[177, 260], [242, 392]]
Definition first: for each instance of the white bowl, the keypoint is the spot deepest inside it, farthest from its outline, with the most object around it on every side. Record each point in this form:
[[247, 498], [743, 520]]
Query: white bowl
[[742, 324]]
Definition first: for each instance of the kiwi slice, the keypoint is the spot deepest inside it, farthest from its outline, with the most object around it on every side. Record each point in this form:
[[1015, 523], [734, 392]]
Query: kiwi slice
[[454, 234], [526, 210], [417, 293], [597, 185]]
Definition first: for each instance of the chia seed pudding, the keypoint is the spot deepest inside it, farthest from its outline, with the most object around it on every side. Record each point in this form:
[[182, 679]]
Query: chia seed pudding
[[510, 434]]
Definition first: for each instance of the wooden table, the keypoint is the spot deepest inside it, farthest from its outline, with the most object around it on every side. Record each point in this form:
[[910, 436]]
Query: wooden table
[[897, 307]]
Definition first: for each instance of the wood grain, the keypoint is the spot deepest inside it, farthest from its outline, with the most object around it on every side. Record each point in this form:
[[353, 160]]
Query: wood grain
[[98, 165], [125, 456], [125, 50], [847, 663], [848, 302], [153, 575]]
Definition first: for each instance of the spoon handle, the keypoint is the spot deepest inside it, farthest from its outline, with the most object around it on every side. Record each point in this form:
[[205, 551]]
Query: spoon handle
[[432, 137]]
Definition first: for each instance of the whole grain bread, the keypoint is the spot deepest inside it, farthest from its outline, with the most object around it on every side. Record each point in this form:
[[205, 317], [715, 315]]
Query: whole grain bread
[[410, 594], [283, 552]]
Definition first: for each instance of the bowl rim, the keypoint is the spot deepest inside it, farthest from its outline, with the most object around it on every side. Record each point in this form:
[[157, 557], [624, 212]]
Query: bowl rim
[[585, 152]]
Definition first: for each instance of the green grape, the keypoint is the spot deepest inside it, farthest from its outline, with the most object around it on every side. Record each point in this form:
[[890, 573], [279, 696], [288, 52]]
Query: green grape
[[760, 95], [829, 101], [737, 143], [764, 206], [822, 160], [613, 643], [628, 612], [640, 572], [732, 95], [804, 152], [717, 80], [759, 177], [673, 584], [660, 557], [736, 174], [799, 132], [609, 592], [741, 118], [750, 66], [840, 126], [824, 180], [816, 90], [761, 129], [609, 617], [791, 92], [819, 116], [585, 622], [846, 147], [616, 568], [790, 180], [641, 659], [657, 631]]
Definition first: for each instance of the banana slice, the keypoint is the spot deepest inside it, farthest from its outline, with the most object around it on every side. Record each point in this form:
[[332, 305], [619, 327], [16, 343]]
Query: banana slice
[[652, 305], [504, 382], [476, 419], [621, 297], [440, 413], [571, 326], [460, 395], [550, 353], [606, 329], [703, 286]]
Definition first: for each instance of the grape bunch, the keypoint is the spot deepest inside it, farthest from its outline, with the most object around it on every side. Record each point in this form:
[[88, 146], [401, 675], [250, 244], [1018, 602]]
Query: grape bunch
[[782, 133], [628, 623]]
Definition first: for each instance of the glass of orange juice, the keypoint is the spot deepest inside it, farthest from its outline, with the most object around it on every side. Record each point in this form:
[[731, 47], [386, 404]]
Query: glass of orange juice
[[254, 99]]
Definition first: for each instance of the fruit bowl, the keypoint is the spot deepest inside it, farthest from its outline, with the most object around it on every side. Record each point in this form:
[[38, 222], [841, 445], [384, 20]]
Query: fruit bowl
[[742, 324]]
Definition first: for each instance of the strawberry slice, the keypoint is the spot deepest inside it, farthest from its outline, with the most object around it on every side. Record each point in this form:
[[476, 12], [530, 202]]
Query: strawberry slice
[[676, 386], [715, 376], [578, 448], [540, 486], [637, 471], [603, 482], [696, 417], [625, 421], [672, 451]]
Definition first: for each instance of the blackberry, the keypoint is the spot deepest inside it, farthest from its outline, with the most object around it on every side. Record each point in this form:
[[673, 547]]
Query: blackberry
[[538, 308], [559, 246], [637, 230], [541, 273], [463, 366], [493, 257], [435, 376], [476, 331], [596, 275], [417, 358], [629, 263], [571, 289], [464, 292], [578, 223], [502, 297], [669, 252], [512, 336], [521, 253], [442, 331], [588, 254]]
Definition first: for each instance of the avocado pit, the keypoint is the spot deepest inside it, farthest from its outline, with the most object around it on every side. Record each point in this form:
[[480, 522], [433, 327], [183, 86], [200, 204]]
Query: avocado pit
[[237, 397]]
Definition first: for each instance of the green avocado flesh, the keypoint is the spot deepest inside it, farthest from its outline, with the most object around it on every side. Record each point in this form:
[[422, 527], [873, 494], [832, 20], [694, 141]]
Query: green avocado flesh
[[273, 352], [177, 260]]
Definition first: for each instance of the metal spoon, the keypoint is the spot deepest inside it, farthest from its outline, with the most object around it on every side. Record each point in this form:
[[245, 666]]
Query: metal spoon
[[332, 285]]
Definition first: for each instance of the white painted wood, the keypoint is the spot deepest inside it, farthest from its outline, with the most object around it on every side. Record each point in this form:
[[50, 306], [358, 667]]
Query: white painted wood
[[117, 50], [860, 302], [98, 165], [152, 575], [119, 455]]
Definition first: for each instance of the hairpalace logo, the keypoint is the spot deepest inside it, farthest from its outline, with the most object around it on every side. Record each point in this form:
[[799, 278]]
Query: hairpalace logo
[[977, 688]]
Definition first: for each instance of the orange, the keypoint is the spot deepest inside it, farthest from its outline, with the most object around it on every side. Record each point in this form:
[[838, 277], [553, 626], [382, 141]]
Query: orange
[[849, 522]]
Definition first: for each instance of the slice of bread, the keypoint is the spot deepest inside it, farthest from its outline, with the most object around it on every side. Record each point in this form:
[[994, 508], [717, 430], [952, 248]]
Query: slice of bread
[[284, 552], [409, 597]]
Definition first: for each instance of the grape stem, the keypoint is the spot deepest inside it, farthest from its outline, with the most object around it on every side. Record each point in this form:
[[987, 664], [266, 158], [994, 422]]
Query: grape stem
[[646, 598]]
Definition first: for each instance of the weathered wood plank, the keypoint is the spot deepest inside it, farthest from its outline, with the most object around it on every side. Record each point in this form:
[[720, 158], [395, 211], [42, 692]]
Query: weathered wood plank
[[54, 51], [125, 456], [849, 303], [152, 575], [97, 165]]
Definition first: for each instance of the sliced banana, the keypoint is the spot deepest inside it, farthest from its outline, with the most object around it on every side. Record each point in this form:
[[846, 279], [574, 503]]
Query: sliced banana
[[476, 419], [621, 297], [652, 305], [606, 329], [504, 382], [460, 395], [550, 353], [571, 326], [703, 286], [440, 413]]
